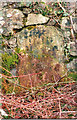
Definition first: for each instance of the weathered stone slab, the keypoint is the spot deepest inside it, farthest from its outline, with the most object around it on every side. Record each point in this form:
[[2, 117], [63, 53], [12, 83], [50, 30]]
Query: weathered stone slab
[[40, 38]]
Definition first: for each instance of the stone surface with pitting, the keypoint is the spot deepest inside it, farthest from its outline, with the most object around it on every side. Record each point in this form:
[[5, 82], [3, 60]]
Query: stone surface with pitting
[[41, 38]]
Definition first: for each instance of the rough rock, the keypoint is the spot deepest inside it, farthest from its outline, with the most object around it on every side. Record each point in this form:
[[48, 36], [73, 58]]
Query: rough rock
[[3, 113], [27, 10], [13, 71], [34, 19], [63, 23], [1, 21], [12, 42], [75, 27], [66, 32], [75, 24], [72, 66], [16, 4], [13, 20], [73, 50]]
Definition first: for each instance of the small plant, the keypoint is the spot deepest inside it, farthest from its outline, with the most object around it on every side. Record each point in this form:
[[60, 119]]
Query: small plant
[[9, 61]]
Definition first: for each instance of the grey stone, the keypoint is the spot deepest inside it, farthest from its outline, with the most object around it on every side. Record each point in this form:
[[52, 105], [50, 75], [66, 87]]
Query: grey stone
[[34, 19], [75, 27], [67, 34], [1, 30], [17, 4], [73, 50], [72, 66], [13, 20], [75, 24], [2, 22], [12, 42], [63, 23], [13, 71], [3, 113], [1, 18]]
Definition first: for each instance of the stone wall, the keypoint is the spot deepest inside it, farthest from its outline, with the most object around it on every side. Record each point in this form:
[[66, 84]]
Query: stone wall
[[36, 30], [33, 29]]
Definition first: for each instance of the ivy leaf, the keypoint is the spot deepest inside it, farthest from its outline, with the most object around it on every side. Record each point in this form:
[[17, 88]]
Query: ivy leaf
[[43, 2], [65, 14]]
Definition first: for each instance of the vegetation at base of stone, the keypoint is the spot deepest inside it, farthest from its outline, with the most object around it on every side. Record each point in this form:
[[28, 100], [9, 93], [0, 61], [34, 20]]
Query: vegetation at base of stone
[[9, 60], [8, 86], [72, 75], [42, 70], [6, 117], [24, 66]]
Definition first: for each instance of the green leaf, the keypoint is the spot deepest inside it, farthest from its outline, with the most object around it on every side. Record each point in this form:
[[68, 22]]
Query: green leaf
[[72, 75], [43, 2], [65, 14], [70, 115], [0, 104]]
